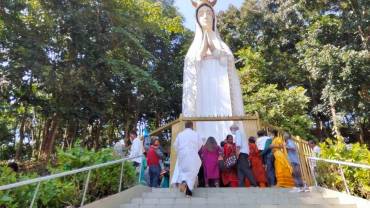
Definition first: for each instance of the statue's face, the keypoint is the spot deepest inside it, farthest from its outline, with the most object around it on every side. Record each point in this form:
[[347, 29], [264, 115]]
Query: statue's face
[[205, 17]]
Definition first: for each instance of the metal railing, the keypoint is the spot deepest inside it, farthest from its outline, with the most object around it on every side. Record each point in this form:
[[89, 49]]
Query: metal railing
[[69, 173], [340, 164]]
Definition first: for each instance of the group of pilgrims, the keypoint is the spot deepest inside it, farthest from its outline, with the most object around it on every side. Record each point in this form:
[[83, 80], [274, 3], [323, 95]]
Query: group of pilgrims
[[265, 161], [211, 87]]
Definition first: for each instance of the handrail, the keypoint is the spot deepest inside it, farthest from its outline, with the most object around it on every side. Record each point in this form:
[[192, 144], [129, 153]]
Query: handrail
[[165, 127], [59, 175], [341, 162], [68, 173]]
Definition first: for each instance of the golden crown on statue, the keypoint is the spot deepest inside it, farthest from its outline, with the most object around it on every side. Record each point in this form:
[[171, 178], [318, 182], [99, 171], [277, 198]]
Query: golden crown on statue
[[197, 3]]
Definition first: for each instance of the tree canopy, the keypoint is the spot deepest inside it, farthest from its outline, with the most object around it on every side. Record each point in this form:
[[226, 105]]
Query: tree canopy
[[304, 64], [86, 70]]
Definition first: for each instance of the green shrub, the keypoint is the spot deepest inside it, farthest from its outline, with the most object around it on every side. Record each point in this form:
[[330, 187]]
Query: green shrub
[[19, 197], [67, 191], [329, 175]]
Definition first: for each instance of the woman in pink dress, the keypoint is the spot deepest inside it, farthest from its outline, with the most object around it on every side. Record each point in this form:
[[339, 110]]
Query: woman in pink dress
[[210, 153]]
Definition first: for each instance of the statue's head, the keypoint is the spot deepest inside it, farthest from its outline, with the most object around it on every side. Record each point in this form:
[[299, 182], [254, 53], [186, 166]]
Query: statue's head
[[205, 16], [197, 3]]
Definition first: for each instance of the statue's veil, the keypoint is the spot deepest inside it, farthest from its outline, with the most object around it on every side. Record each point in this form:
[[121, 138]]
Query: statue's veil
[[192, 66]]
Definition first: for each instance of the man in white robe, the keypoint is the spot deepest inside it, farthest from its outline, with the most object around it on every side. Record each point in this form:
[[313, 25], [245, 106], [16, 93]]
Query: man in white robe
[[187, 146]]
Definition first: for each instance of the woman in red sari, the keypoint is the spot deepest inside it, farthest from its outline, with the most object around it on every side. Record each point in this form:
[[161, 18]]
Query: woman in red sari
[[256, 162], [229, 176]]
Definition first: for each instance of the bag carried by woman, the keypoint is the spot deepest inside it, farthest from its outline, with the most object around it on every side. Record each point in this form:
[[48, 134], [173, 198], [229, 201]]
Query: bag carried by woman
[[230, 161]]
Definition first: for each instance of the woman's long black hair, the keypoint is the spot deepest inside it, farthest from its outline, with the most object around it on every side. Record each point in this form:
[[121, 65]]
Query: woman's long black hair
[[211, 144]]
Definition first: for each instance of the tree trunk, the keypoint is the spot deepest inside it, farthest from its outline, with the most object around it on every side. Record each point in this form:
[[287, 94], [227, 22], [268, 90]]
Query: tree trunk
[[112, 137], [127, 133], [85, 135], [21, 138], [65, 132], [69, 133], [362, 132], [44, 134], [38, 139], [157, 120], [318, 118], [95, 134], [362, 135], [334, 118], [50, 134], [72, 134]]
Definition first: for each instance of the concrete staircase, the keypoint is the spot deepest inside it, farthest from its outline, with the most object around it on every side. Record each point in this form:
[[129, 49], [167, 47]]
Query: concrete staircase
[[235, 198]]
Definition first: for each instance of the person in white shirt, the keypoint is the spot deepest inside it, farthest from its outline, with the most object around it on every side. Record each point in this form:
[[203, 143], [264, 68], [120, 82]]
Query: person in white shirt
[[187, 145], [119, 148], [315, 152], [261, 140], [242, 153], [136, 149], [315, 148]]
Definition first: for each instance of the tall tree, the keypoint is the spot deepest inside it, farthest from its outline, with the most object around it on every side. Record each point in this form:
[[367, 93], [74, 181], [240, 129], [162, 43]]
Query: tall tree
[[318, 45], [86, 70]]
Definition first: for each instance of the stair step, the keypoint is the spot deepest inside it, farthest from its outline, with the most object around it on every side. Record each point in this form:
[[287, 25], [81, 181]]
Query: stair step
[[238, 195], [223, 190], [234, 198], [267, 191], [238, 206]]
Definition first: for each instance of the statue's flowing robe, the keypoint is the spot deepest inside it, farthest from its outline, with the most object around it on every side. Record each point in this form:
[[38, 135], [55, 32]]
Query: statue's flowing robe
[[211, 87]]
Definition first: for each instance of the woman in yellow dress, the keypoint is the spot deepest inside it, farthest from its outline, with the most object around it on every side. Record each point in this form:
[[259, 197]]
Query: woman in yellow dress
[[283, 170]]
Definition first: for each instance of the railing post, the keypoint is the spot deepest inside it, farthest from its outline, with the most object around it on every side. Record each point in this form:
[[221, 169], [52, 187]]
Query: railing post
[[344, 178], [85, 189], [120, 178], [35, 194]]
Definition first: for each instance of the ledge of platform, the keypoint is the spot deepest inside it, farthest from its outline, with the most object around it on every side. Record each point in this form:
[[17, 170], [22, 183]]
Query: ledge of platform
[[343, 198], [206, 118]]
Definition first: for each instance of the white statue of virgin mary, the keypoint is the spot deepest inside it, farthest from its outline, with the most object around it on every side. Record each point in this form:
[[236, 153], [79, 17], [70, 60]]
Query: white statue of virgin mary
[[211, 84]]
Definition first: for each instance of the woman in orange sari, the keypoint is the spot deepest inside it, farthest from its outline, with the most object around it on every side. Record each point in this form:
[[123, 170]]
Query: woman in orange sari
[[256, 162], [283, 170]]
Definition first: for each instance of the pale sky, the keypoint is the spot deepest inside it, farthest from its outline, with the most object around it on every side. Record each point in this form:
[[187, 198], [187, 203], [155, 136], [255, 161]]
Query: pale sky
[[187, 10]]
